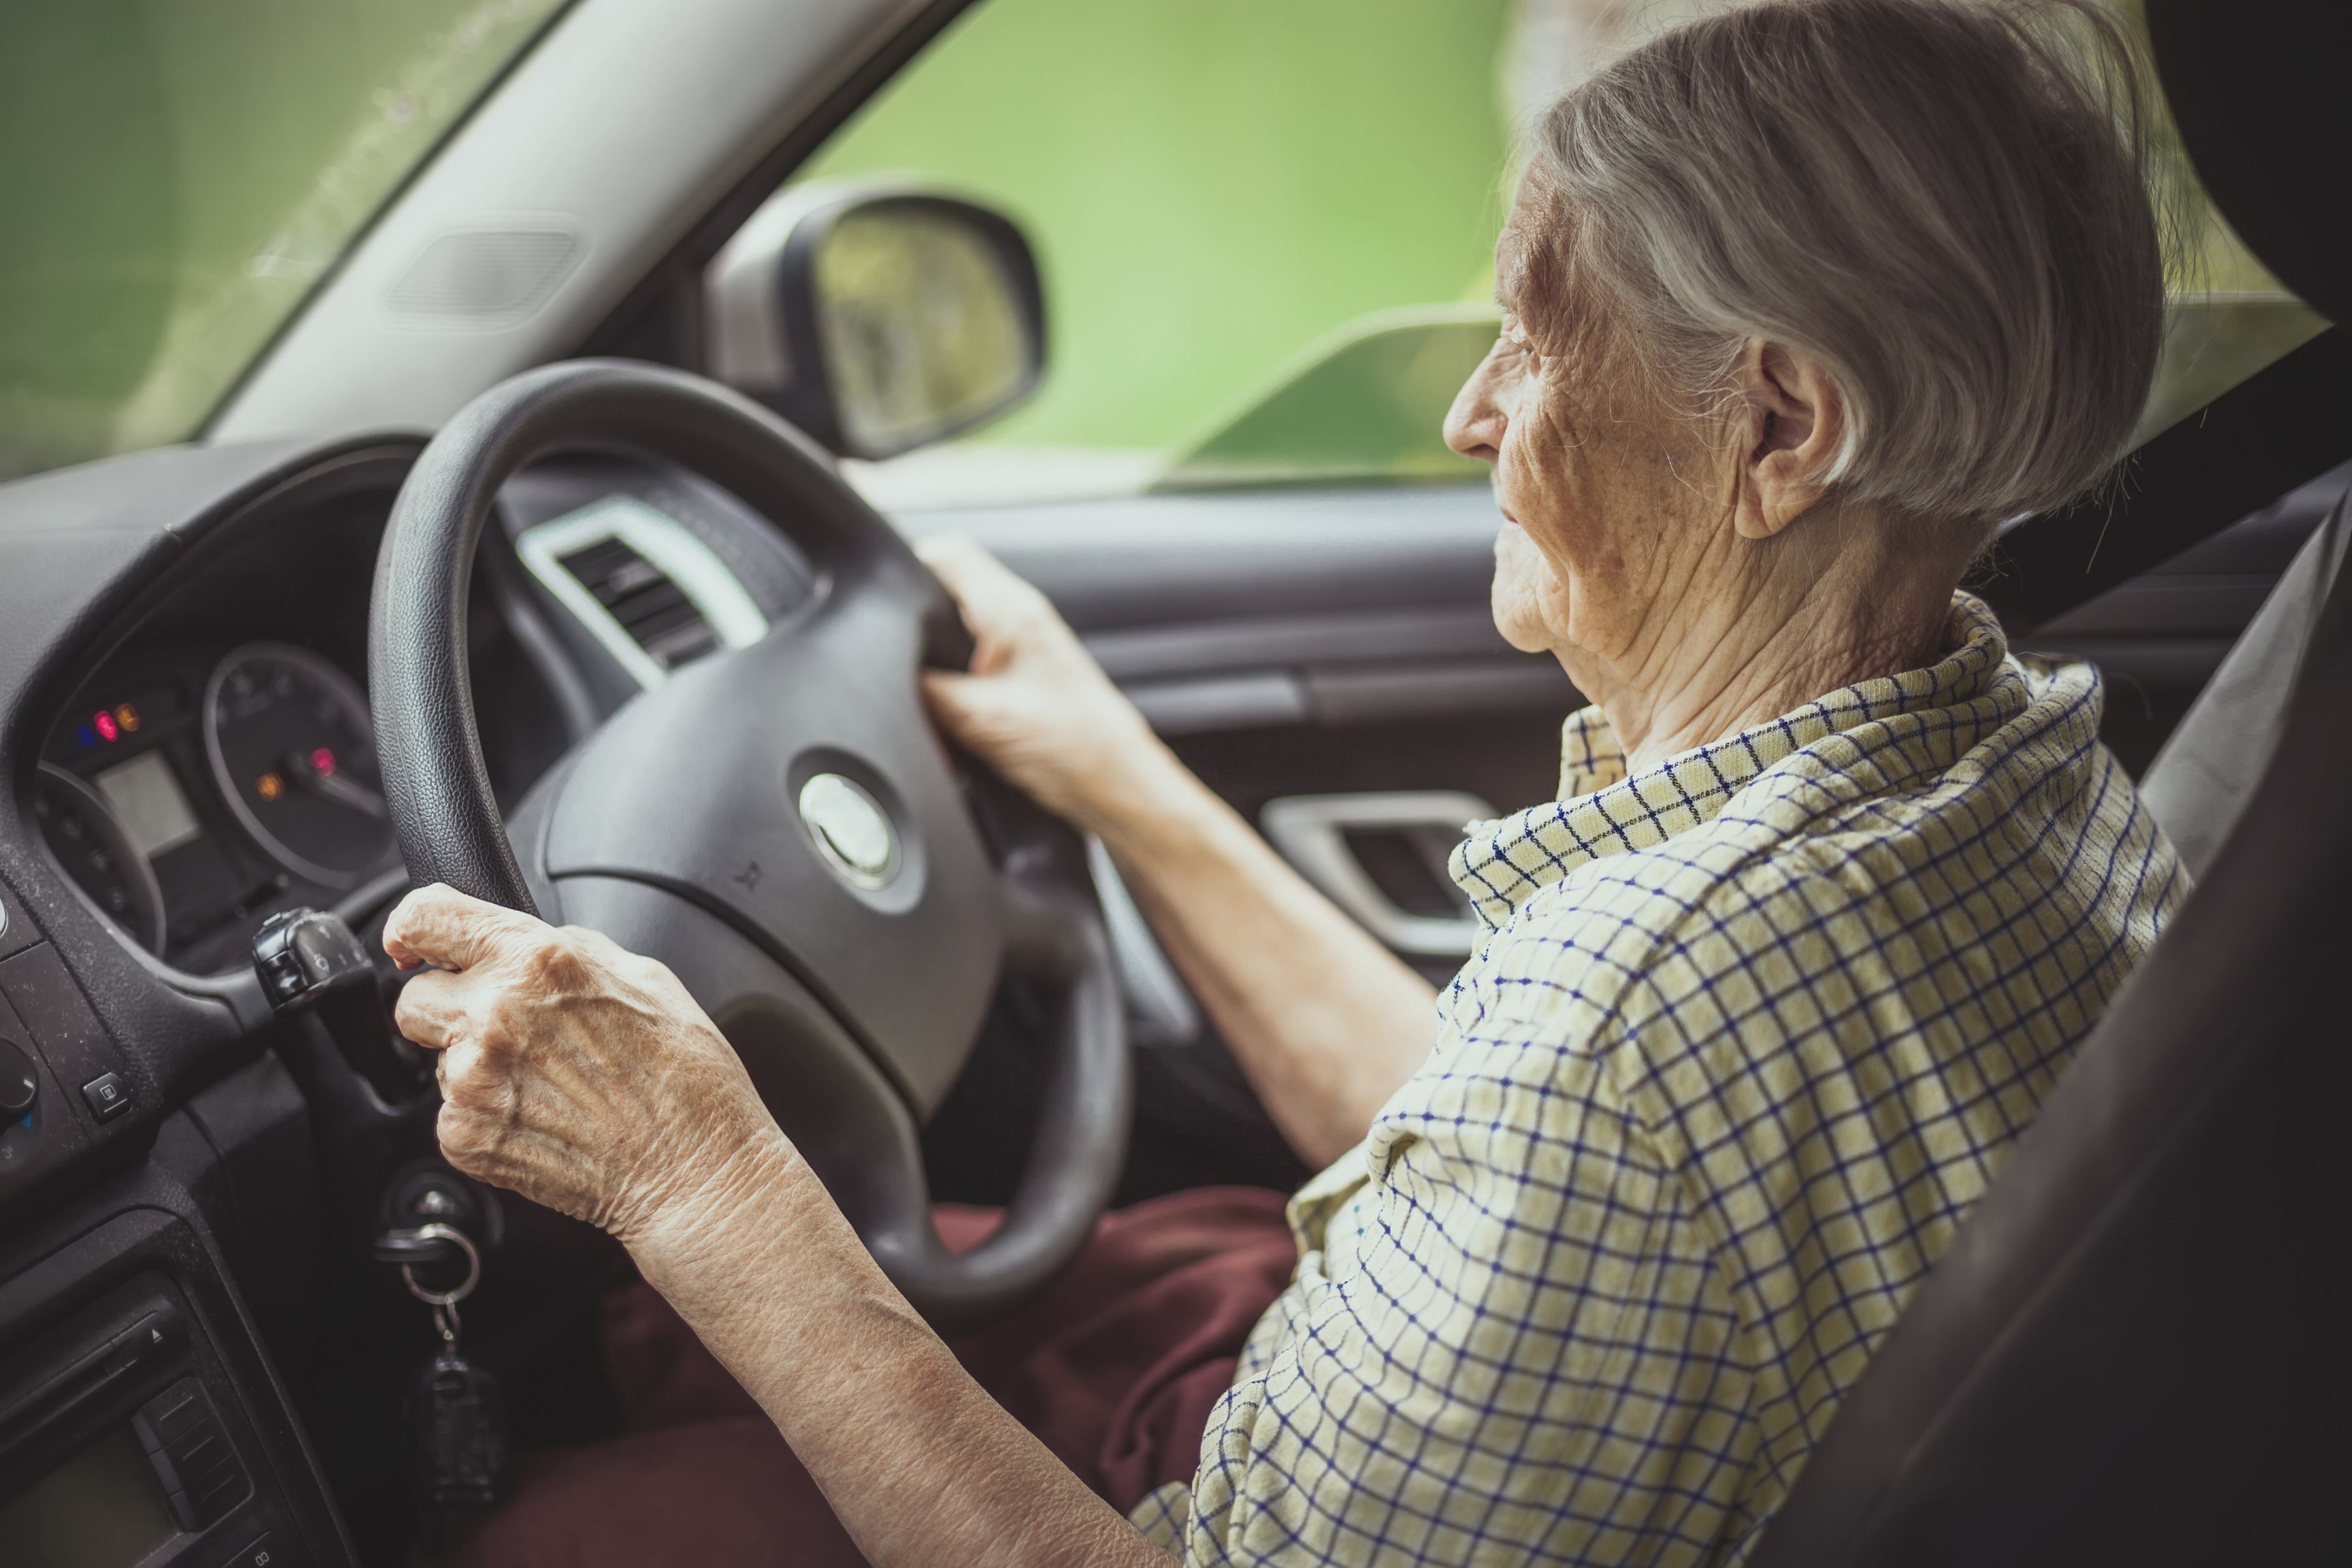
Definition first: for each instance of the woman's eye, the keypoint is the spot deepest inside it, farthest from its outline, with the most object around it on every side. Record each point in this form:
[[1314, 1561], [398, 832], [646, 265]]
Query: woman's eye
[[1514, 336]]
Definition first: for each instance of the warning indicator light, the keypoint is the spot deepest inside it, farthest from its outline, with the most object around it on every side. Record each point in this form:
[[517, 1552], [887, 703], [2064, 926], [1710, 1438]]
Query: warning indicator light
[[269, 786], [128, 717], [104, 723], [324, 761]]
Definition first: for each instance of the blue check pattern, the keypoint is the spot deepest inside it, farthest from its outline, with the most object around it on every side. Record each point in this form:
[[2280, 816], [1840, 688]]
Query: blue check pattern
[[1748, 1034]]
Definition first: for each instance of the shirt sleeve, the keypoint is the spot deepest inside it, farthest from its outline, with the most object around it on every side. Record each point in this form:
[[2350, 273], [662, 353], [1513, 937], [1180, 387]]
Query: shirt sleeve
[[1513, 1346]]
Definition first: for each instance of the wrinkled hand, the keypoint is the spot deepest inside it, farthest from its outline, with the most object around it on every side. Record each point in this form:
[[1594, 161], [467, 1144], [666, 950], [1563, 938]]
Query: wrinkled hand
[[573, 1071], [1036, 707]]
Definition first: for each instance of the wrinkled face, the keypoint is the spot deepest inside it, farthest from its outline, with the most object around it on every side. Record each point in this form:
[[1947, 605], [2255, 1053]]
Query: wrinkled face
[[1605, 488]]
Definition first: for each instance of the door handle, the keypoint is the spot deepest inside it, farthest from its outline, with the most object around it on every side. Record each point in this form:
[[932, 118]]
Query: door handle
[[1310, 831]]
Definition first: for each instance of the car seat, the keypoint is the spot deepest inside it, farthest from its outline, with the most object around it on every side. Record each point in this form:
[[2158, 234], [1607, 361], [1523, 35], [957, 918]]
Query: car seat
[[2133, 1350], [2199, 782]]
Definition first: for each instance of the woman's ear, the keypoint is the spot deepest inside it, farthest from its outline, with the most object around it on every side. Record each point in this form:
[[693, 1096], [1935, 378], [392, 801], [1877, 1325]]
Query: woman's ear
[[1791, 423]]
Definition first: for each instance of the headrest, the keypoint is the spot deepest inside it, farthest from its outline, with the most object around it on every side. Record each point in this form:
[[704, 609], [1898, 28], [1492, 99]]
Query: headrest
[[2258, 88]]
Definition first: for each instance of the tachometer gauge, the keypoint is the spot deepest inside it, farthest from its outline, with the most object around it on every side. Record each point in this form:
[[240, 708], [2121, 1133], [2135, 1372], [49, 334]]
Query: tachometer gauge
[[293, 753]]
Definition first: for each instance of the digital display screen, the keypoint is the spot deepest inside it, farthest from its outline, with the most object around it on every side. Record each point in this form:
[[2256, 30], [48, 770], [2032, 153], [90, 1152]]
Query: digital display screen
[[98, 1509], [154, 809]]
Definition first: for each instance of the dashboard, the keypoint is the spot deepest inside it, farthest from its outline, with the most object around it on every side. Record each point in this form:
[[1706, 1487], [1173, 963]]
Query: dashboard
[[219, 765], [183, 659]]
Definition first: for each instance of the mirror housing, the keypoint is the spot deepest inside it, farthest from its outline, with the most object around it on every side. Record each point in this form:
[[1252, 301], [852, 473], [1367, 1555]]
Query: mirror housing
[[878, 318]]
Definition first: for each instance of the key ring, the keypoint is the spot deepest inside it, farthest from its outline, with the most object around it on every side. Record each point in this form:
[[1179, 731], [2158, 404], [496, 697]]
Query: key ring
[[441, 1300]]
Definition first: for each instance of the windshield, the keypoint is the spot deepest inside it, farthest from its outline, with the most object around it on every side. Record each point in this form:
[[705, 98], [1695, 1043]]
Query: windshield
[[176, 175]]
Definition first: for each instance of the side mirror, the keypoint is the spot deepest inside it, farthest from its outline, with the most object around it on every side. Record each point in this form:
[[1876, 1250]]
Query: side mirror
[[876, 319]]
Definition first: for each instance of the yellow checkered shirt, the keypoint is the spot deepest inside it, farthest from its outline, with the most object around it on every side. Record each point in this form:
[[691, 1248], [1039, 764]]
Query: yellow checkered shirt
[[1746, 1037]]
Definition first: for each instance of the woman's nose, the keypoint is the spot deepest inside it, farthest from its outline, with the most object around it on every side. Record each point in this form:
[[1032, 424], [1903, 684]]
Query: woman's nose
[[1474, 425]]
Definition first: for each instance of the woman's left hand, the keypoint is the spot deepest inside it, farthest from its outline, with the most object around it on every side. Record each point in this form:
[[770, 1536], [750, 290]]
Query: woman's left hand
[[584, 1077], [574, 1072]]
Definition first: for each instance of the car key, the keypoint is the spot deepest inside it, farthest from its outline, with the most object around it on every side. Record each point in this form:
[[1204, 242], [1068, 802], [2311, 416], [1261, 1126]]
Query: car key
[[456, 1411]]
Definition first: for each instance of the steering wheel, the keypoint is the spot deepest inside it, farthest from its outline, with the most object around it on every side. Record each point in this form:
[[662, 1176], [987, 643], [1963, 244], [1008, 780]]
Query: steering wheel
[[778, 823]]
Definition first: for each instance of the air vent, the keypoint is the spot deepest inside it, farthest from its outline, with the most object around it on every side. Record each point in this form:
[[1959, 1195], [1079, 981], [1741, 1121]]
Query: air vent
[[656, 613], [654, 595]]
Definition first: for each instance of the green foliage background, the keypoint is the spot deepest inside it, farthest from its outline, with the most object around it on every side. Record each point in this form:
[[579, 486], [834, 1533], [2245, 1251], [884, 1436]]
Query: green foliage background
[[1211, 185]]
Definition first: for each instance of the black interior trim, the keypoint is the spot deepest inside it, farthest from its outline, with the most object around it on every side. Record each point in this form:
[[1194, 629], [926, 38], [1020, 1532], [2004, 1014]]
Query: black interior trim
[[2287, 424], [2254, 97]]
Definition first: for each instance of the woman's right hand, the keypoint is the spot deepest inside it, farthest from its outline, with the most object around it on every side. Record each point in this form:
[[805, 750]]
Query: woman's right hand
[[1324, 1020], [1036, 707]]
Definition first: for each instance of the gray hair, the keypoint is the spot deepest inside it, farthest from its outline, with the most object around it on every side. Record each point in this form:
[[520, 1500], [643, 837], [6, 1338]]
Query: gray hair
[[1942, 201]]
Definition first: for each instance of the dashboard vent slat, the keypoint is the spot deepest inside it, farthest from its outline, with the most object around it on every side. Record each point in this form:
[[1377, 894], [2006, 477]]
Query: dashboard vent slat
[[646, 589], [656, 612]]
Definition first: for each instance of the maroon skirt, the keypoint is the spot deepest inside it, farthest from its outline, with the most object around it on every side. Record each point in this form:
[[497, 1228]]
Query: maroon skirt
[[1115, 1369]]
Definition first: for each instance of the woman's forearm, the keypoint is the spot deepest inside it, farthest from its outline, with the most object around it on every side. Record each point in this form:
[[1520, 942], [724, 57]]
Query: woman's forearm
[[1326, 1022], [919, 1464]]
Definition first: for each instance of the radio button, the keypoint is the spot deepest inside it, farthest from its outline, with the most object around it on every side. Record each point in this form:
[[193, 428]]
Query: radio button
[[108, 1095], [266, 1552], [191, 1457]]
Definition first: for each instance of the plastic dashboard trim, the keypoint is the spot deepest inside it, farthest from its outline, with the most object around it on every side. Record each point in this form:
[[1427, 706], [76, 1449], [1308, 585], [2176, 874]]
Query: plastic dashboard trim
[[88, 552]]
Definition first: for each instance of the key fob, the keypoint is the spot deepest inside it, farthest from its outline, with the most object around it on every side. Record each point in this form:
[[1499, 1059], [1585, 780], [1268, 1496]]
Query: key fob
[[460, 1433]]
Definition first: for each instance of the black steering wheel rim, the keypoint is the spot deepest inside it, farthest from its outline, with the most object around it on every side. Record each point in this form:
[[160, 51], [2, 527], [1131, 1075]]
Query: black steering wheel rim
[[878, 607]]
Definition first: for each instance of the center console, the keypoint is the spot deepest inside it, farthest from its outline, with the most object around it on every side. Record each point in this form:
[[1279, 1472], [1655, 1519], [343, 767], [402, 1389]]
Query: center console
[[128, 1433], [141, 1423]]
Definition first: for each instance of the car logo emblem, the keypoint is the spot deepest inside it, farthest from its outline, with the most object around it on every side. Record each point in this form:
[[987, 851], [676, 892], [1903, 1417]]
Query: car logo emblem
[[850, 829]]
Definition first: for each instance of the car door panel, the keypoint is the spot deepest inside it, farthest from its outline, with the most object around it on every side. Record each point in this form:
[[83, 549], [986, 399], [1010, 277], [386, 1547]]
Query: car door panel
[[1306, 642]]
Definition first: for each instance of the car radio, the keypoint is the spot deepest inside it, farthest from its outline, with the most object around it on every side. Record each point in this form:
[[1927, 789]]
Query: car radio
[[120, 1444]]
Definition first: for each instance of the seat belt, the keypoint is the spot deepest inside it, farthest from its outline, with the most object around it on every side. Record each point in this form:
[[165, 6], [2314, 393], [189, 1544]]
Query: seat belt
[[2199, 784]]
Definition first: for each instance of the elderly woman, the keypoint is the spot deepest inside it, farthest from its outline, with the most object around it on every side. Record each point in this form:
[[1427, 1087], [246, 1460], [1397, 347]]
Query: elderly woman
[[1799, 302]]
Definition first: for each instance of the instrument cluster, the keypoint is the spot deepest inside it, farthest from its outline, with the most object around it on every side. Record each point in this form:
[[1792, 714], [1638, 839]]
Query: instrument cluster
[[184, 808], [219, 764]]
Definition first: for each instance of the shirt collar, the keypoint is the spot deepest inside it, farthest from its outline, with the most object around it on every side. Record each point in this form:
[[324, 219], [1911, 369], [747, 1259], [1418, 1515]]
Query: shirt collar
[[1600, 811]]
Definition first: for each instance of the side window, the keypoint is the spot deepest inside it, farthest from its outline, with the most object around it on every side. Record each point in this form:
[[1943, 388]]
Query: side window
[[1222, 194], [1266, 228], [2226, 317]]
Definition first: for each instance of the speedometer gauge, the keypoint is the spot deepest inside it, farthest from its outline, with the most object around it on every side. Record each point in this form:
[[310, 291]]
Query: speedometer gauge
[[294, 754]]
